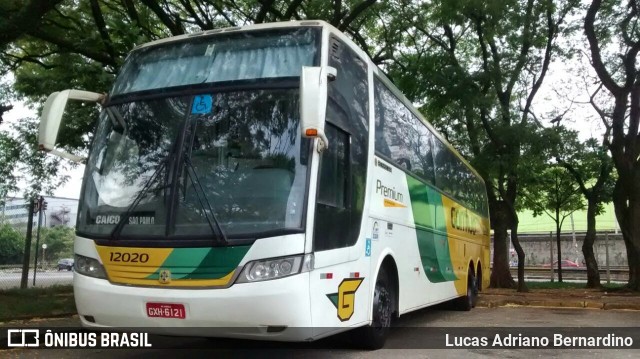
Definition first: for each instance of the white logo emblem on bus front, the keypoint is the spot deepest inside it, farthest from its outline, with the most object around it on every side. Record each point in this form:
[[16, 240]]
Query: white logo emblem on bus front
[[165, 276]]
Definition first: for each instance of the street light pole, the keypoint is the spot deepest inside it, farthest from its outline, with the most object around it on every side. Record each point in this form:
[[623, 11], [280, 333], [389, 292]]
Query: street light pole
[[44, 248], [41, 209]]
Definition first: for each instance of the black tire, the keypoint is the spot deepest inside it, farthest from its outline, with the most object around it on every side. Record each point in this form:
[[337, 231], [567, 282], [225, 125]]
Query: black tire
[[468, 301], [374, 336]]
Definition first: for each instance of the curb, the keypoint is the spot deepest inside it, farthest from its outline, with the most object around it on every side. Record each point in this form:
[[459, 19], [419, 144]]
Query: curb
[[584, 304]]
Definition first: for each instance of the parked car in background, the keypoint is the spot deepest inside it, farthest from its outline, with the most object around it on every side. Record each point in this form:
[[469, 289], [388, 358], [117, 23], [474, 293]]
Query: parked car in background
[[65, 264], [565, 263]]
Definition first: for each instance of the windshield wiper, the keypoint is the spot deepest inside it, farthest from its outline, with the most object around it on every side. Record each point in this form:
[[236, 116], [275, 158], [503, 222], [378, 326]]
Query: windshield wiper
[[116, 231], [215, 226]]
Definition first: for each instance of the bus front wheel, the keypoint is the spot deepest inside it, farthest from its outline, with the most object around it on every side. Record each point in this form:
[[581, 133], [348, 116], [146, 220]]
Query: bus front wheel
[[374, 336]]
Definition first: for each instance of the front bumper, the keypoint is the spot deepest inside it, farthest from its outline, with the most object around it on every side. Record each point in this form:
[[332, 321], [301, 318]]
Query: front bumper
[[270, 310]]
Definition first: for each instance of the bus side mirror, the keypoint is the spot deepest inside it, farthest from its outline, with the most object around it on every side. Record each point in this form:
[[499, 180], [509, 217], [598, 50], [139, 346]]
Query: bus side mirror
[[52, 116], [313, 102]]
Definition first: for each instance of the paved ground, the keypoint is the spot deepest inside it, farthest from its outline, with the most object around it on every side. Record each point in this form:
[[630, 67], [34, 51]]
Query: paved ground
[[406, 334]]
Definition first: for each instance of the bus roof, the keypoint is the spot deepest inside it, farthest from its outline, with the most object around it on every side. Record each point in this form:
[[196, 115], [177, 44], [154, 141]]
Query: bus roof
[[271, 25]]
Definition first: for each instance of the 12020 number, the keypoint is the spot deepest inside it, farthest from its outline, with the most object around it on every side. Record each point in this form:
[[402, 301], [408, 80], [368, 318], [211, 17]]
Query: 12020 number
[[129, 257]]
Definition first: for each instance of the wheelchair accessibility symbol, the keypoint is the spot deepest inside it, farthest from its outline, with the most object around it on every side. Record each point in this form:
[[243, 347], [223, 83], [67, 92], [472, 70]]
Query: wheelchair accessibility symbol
[[202, 104]]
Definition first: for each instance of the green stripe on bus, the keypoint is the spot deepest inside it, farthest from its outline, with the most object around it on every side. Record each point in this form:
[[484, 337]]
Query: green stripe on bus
[[428, 215], [202, 263]]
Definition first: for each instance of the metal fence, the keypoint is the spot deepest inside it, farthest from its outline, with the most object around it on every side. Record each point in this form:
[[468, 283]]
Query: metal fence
[[53, 245]]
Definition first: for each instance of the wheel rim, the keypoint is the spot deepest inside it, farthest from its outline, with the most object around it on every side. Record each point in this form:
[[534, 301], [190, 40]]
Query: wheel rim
[[382, 305]]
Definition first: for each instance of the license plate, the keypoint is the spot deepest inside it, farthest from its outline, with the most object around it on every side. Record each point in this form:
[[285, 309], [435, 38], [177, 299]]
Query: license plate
[[165, 310]]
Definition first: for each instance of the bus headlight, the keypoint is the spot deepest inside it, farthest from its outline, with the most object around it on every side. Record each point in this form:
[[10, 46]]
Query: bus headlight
[[89, 267], [266, 269]]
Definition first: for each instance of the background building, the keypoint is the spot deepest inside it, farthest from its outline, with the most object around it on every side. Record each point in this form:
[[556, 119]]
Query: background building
[[60, 211]]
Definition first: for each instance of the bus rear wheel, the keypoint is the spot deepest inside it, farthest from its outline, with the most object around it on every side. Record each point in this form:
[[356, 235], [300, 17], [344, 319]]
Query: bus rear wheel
[[468, 301], [375, 335]]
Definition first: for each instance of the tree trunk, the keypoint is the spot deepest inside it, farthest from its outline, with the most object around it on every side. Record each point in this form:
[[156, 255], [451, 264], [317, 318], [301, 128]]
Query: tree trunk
[[627, 207], [522, 286], [559, 250], [500, 274], [634, 218], [593, 275]]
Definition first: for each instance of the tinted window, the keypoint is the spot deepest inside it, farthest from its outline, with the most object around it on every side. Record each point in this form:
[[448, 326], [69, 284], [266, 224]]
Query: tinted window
[[401, 136], [405, 140], [455, 178]]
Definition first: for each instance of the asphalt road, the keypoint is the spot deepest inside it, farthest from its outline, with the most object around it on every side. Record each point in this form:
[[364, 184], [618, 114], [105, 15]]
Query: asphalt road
[[43, 279], [340, 346]]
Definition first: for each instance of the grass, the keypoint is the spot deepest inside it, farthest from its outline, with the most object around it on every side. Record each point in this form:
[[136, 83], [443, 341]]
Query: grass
[[35, 302], [569, 285]]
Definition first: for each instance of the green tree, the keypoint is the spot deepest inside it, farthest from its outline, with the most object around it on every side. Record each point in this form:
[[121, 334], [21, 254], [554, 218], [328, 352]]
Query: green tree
[[591, 167], [20, 160], [478, 66], [11, 245], [611, 28], [59, 241], [556, 194]]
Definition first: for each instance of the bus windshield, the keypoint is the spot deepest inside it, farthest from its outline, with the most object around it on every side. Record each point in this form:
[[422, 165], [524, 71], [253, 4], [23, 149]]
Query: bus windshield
[[168, 162], [246, 160]]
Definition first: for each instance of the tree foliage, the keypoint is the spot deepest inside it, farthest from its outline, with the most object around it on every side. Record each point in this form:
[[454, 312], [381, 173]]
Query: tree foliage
[[591, 166], [59, 241], [477, 67], [11, 245], [22, 163], [556, 194]]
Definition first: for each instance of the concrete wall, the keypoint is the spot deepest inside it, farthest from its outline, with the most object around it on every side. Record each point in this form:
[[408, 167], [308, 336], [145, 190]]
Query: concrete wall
[[536, 249]]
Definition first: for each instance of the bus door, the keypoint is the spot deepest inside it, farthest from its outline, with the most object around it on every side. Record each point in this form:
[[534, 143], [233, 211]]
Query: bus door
[[339, 285]]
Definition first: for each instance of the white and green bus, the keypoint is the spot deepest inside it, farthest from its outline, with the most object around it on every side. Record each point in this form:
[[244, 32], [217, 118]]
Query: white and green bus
[[265, 180]]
